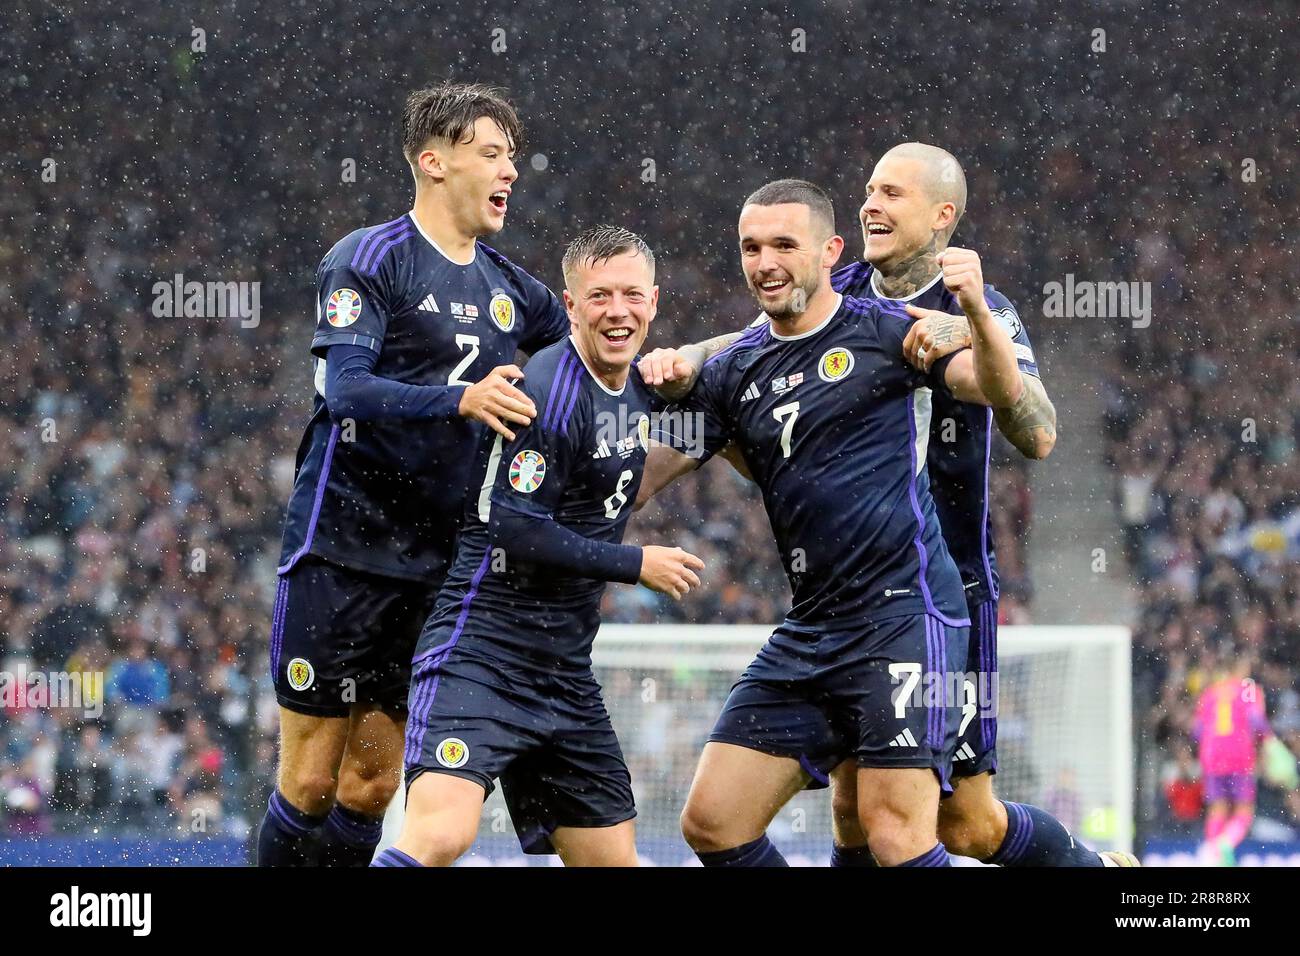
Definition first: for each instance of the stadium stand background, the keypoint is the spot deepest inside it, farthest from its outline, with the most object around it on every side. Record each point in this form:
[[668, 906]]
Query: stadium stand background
[[172, 435]]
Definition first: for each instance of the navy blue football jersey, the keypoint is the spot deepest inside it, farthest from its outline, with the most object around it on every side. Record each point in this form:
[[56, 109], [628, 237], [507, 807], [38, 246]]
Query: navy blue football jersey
[[833, 425], [386, 497], [580, 464], [961, 435]]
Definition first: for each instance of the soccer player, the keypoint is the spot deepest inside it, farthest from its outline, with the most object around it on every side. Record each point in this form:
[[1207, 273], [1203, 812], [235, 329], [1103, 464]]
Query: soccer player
[[914, 200], [502, 684], [1230, 724], [410, 315], [833, 424]]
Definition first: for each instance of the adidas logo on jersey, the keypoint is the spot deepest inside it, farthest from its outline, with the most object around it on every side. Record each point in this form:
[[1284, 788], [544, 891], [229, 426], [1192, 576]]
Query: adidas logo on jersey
[[905, 739], [751, 393], [602, 450], [428, 304], [964, 752]]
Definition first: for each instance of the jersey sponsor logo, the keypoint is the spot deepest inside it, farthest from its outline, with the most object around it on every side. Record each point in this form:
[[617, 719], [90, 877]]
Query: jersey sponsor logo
[[602, 450], [1009, 320], [835, 364], [502, 310], [343, 308], [964, 752], [453, 752], [1025, 353], [751, 393], [785, 383], [428, 304], [527, 472], [300, 673]]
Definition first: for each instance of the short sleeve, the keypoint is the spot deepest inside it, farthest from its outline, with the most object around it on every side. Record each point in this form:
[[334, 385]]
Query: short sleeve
[[1009, 319], [352, 305], [893, 324], [546, 321], [698, 425]]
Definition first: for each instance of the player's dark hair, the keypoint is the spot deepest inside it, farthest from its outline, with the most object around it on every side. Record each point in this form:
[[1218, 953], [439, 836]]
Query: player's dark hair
[[600, 243], [448, 112], [801, 191]]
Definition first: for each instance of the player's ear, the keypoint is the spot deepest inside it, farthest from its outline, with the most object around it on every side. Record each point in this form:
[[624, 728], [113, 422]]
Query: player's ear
[[945, 217], [568, 303], [432, 163], [654, 302], [831, 251]]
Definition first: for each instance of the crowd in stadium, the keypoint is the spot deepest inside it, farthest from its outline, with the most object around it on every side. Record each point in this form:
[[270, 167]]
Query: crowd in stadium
[[149, 458]]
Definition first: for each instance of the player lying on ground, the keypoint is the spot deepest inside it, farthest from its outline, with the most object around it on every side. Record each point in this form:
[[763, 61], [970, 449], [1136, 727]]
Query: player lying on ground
[[914, 200], [502, 684], [409, 314], [831, 422]]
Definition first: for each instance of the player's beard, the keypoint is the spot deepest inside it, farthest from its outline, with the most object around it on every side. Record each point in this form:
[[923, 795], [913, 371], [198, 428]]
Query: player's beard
[[796, 302]]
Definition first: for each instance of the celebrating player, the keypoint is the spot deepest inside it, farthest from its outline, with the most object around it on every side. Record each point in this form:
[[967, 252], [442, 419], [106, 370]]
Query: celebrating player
[[502, 684], [914, 199], [409, 314], [832, 423]]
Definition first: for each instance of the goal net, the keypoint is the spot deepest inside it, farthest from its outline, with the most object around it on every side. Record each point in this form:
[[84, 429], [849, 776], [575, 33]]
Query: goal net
[[1064, 734]]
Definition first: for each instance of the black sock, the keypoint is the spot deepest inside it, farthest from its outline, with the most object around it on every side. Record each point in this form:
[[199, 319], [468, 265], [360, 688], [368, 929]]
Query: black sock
[[1036, 838], [936, 857], [760, 852], [852, 856], [348, 838], [287, 836]]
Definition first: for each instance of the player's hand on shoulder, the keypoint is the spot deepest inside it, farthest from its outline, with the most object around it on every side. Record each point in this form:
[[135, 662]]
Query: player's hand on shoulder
[[669, 571], [963, 277], [933, 335], [494, 401], [668, 372]]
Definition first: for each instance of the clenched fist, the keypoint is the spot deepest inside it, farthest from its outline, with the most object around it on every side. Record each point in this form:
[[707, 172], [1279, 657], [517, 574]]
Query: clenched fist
[[668, 372], [963, 277]]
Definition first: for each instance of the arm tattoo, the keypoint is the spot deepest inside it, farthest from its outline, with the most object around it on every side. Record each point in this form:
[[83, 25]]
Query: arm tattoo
[[697, 354], [951, 330], [1029, 424]]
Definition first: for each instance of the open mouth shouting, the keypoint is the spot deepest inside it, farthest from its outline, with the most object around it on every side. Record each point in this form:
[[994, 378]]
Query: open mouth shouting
[[499, 199], [876, 230]]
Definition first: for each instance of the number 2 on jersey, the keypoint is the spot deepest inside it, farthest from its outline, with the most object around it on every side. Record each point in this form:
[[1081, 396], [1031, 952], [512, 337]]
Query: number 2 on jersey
[[462, 342]]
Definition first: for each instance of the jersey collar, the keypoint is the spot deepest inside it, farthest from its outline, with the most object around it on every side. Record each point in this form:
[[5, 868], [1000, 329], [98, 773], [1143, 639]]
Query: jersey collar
[[429, 240], [907, 298], [839, 301], [594, 377]]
